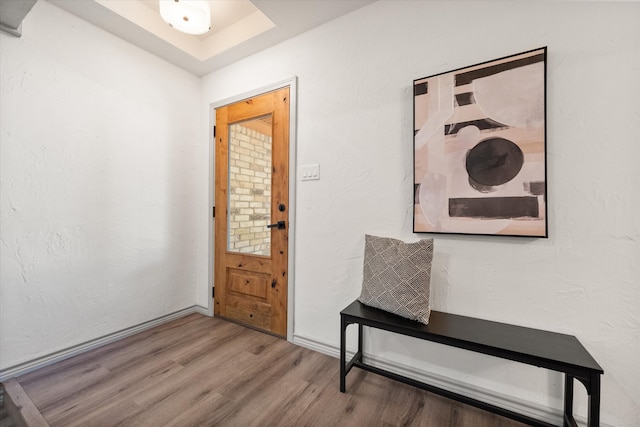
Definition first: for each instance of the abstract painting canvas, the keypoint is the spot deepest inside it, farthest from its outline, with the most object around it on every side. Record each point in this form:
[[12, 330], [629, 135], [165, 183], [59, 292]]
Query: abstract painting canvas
[[480, 148]]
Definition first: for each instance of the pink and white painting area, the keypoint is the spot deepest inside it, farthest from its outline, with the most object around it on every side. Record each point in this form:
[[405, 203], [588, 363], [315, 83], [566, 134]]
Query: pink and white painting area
[[479, 143]]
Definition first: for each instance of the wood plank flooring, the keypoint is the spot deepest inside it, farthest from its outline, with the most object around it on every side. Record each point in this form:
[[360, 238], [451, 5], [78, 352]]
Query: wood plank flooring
[[202, 371], [5, 420]]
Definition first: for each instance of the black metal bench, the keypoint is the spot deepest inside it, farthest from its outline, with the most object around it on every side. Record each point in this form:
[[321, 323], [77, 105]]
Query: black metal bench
[[549, 350]]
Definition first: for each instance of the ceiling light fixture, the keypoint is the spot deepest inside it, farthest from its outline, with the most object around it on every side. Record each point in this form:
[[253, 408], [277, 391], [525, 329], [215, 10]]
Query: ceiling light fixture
[[188, 16]]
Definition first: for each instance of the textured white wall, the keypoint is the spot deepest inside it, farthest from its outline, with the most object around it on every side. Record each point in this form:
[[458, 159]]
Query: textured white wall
[[98, 218], [354, 119], [104, 187]]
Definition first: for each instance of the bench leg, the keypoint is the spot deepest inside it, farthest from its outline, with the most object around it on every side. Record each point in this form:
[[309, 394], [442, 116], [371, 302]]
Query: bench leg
[[592, 384], [593, 419], [343, 354], [344, 366], [568, 400]]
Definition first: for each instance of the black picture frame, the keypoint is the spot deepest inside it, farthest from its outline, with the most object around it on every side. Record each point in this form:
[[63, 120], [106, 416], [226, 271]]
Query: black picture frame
[[479, 148]]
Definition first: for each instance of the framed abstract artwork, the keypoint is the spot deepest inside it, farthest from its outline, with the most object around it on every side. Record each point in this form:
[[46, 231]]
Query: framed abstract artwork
[[480, 148]]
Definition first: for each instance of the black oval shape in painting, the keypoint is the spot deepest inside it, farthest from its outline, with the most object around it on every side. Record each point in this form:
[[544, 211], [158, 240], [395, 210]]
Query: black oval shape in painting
[[494, 161]]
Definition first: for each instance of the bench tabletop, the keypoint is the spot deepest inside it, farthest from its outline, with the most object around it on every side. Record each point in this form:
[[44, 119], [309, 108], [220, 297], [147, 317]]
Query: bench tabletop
[[533, 346]]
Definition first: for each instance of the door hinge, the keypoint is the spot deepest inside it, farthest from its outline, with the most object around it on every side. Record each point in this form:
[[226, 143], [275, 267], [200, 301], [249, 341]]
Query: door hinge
[[213, 212], [214, 131], [213, 292]]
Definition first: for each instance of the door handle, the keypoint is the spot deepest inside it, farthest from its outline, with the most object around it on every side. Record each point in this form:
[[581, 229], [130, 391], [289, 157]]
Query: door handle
[[279, 225]]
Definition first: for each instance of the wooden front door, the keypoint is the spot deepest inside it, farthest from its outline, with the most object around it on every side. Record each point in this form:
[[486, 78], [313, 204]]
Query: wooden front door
[[252, 204]]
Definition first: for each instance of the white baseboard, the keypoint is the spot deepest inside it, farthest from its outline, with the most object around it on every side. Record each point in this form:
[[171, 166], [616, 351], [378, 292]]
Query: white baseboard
[[205, 311], [41, 362], [548, 414]]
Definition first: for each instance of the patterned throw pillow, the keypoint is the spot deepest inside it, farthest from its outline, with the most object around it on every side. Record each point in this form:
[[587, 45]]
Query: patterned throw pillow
[[397, 276]]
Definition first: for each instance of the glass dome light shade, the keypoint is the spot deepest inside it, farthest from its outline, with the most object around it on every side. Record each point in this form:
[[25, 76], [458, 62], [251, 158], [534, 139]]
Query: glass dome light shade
[[187, 16]]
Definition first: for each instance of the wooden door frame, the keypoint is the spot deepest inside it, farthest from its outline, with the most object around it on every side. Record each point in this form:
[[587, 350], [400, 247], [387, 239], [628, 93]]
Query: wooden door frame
[[292, 84]]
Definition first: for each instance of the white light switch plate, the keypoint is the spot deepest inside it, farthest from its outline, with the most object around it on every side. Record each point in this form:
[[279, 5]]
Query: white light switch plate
[[310, 172]]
